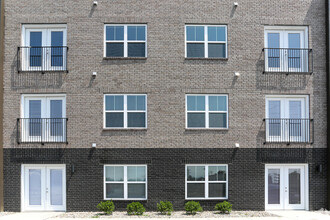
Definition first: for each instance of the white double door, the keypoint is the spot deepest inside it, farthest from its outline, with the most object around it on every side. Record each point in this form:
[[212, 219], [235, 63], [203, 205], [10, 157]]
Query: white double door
[[45, 49], [286, 51], [287, 119], [43, 188], [44, 119], [286, 187]]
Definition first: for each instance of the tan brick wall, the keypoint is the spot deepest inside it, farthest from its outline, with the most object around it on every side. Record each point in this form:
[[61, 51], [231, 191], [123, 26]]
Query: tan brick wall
[[165, 76]]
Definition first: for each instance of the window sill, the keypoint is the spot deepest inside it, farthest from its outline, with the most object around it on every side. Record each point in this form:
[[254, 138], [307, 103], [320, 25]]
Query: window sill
[[204, 58], [124, 58], [124, 129], [206, 129], [118, 199], [206, 199]]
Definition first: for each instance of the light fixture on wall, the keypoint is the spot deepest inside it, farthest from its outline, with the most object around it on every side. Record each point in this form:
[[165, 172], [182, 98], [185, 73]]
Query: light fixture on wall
[[72, 169], [95, 3], [235, 4], [237, 145], [93, 145], [237, 74], [94, 74]]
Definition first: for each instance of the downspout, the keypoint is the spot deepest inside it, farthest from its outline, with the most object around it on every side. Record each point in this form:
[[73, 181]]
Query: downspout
[[2, 33], [328, 99]]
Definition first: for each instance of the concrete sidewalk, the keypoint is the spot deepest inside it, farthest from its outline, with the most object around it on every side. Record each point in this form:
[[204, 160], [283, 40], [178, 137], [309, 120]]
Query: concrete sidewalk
[[283, 215]]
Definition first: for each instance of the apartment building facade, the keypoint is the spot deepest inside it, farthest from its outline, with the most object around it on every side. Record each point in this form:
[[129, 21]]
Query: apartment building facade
[[165, 100]]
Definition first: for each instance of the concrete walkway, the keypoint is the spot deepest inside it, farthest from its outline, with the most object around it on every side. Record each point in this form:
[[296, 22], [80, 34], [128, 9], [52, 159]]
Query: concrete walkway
[[301, 215], [283, 215]]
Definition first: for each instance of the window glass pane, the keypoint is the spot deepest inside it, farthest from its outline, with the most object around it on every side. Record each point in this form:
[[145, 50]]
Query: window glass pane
[[217, 189], [191, 33], [217, 173], [136, 190], [35, 50], [136, 173], [196, 103], [115, 50], [141, 33], [114, 190], [136, 102], [114, 102], [141, 173], [56, 187], [56, 121], [35, 187], [274, 183], [114, 173], [195, 190], [195, 173], [217, 120], [196, 120], [115, 120], [34, 118], [217, 50], [136, 50], [212, 33], [115, 33], [57, 49], [200, 33], [195, 50], [136, 119], [217, 103], [294, 186], [273, 53], [221, 33], [131, 33]]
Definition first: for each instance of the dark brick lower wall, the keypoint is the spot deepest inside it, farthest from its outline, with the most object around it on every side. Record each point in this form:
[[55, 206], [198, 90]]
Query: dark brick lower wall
[[166, 173]]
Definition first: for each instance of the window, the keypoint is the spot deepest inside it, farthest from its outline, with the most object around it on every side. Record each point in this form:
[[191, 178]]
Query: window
[[44, 48], [125, 111], [43, 118], [125, 182], [206, 181], [206, 41], [207, 111], [287, 119], [125, 40]]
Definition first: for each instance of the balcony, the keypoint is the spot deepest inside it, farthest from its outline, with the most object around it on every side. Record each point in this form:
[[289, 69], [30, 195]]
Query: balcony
[[42, 59], [42, 130], [288, 60], [289, 130]]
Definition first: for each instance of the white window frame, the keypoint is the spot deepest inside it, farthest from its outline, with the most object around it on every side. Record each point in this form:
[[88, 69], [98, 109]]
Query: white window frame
[[125, 41], [206, 111], [125, 111], [206, 40], [125, 182], [206, 182]]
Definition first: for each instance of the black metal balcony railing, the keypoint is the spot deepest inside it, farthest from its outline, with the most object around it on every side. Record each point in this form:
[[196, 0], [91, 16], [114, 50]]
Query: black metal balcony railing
[[289, 130], [42, 59], [42, 130], [285, 60]]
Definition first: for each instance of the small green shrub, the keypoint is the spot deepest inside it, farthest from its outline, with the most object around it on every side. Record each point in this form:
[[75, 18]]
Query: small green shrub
[[135, 208], [193, 207], [107, 207], [165, 208], [223, 207]]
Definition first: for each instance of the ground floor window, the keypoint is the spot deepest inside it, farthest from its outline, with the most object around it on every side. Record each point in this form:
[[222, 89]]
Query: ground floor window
[[125, 182], [206, 181]]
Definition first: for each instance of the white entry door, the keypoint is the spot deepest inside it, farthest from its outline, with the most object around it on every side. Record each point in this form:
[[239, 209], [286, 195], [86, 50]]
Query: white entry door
[[43, 188], [286, 187]]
